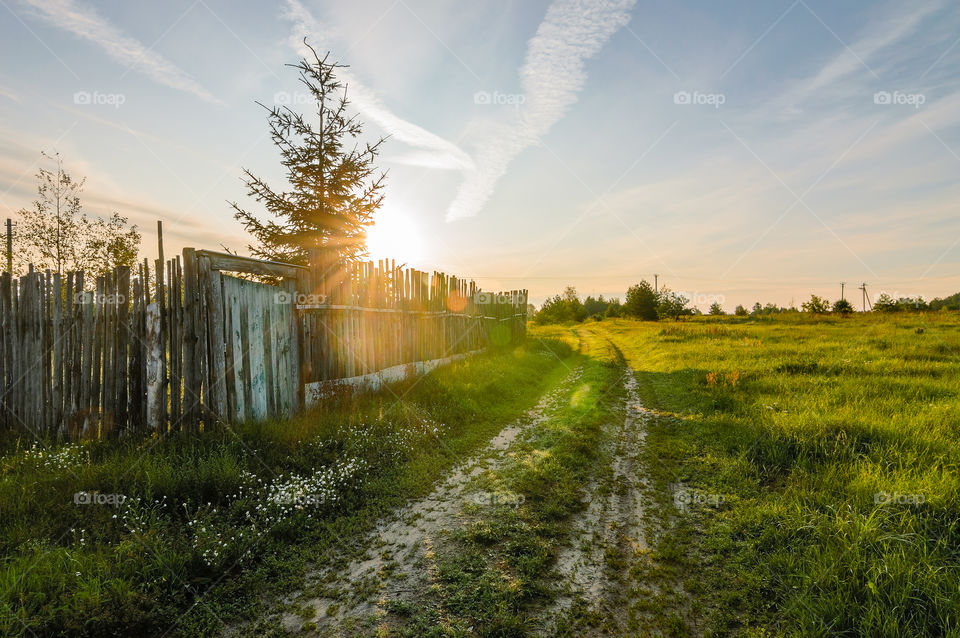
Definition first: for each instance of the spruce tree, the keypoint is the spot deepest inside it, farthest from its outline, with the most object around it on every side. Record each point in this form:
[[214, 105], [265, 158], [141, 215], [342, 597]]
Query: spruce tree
[[334, 186]]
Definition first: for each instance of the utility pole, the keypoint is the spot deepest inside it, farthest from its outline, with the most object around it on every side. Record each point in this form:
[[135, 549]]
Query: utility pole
[[656, 287], [842, 284], [866, 299], [10, 246], [160, 249]]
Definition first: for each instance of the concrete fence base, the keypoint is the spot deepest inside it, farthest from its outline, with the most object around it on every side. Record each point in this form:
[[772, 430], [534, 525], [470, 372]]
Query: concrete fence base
[[314, 392]]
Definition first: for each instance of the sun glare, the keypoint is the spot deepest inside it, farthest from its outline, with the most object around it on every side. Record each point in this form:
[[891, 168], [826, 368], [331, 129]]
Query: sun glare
[[395, 236]]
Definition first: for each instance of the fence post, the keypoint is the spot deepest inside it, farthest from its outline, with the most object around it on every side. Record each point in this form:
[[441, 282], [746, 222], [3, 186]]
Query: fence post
[[155, 393], [191, 372], [295, 345], [212, 290], [6, 351]]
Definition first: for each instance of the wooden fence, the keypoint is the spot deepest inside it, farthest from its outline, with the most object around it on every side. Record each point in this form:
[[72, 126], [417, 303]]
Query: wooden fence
[[185, 344]]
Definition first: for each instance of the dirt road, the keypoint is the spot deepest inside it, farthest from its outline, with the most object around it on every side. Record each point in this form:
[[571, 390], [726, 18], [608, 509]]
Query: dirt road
[[396, 568], [598, 573]]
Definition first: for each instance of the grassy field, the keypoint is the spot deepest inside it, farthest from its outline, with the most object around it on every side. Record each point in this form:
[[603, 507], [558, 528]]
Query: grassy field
[[798, 476], [148, 536], [820, 462]]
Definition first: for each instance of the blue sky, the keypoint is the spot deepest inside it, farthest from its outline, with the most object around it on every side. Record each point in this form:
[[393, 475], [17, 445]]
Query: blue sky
[[743, 151]]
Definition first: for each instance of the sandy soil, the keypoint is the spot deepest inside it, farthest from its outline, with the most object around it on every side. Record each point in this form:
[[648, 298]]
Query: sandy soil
[[397, 566]]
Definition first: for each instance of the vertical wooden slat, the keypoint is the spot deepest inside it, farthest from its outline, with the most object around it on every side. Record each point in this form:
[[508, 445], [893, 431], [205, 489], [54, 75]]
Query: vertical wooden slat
[[295, 382], [96, 359], [216, 400], [6, 352], [266, 335], [76, 353], [107, 397], [69, 406], [226, 284], [240, 358], [86, 365], [46, 390], [133, 350], [245, 354], [57, 372], [175, 344], [123, 340], [191, 342], [257, 367], [17, 356], [154, 379], [160, 296]]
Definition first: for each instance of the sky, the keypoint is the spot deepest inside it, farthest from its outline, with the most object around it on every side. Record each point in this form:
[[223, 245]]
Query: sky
[[740, 151]]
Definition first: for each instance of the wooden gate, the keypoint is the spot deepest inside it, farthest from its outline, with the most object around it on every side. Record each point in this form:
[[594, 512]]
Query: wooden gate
[[252, 338], [259, 353]]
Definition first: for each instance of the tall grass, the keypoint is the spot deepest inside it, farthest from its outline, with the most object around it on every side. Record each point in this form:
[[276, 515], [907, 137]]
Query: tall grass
[[837, 454]]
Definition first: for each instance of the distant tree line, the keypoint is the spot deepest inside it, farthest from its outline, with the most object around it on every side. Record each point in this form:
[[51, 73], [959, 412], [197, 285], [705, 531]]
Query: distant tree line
[[567, 307], [643, 302], [886, 303]]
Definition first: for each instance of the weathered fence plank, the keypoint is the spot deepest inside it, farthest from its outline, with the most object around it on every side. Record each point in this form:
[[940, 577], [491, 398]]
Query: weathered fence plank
[[154, 380]]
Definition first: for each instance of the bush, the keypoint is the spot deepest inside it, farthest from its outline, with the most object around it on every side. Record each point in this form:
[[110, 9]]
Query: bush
[[816, 305], [641, 302], [842, 307]]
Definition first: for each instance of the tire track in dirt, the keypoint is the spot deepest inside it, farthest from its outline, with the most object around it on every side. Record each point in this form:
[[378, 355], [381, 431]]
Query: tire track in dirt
[[608, 536], [352, 597]]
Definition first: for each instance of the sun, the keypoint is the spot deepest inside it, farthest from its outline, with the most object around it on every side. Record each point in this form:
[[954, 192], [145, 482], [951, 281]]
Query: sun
[[394, 235]]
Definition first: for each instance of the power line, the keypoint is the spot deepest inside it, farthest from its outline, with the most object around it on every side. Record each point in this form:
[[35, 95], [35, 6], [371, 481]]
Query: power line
[[777, 282]]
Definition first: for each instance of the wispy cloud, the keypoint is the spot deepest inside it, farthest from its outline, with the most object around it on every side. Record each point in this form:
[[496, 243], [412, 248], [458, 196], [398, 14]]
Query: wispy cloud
[[552, 77], [443, 153], [10, 95], [86, 23], [856, 58]]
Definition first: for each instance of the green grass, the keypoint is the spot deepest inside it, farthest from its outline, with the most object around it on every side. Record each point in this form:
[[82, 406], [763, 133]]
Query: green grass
[[205, 532], [790, 429], [799, 426]]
